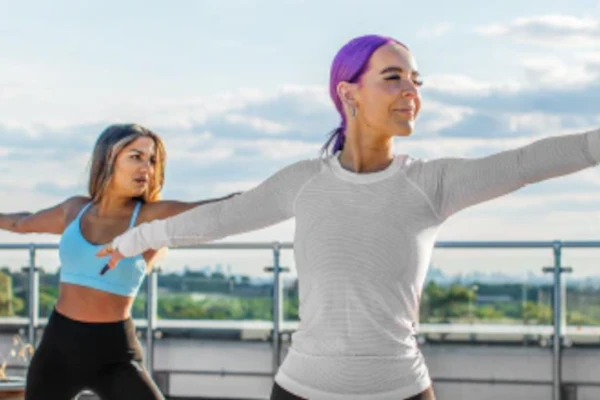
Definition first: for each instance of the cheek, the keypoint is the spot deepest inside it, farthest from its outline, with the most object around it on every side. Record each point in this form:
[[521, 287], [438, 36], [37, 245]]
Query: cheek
[[381, 99], [124, 170], [373, 91], [389, 91]]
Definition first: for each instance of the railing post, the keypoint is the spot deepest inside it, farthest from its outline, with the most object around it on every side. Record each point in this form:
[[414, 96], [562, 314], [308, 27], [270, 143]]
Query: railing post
[[151, 317], [34, 296], [559, 318], [277, 305]]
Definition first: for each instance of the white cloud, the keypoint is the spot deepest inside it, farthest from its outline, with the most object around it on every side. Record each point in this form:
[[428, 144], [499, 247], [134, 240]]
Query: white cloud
[[556, 93], [260, 124], [554, 72], [436, 116], [312, 92], [540, 71], [42, 96], [591, 176], [516, 203], [591, 58], [29, 167], [552, 30], [214, 152], [520, 225], [198, 133], [465, 85], [279, 149], [535, 122], [435, 30], [437, 147]]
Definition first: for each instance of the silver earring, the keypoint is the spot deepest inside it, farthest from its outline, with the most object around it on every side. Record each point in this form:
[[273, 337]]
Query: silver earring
[[353, 112]]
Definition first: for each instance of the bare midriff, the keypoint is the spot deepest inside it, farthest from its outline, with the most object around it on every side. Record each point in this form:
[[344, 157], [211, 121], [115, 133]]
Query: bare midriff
[[91, 305]]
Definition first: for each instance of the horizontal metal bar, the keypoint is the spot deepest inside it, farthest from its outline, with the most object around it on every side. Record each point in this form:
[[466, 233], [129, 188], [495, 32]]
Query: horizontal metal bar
[[203, 246], [290, 326], [494, 245], [496, 381], [27, 246], [290, 245], [230, 246], [223, 372], [580, 244], [491, 381]]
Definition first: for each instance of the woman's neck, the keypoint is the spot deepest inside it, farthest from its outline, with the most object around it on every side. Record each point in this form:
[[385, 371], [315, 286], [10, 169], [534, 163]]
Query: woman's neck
[[365, 152], [111, 205]]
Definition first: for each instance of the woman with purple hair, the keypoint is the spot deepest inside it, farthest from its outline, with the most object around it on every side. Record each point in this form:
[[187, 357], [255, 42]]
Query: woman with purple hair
[[366, 225]]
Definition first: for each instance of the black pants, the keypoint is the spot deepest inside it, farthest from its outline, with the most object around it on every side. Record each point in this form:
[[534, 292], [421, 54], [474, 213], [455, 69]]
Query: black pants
[[105, 358], [279, 393]]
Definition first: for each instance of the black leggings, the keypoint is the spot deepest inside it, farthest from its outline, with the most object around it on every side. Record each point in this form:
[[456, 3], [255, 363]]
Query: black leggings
[[279, 393], [105, 358]]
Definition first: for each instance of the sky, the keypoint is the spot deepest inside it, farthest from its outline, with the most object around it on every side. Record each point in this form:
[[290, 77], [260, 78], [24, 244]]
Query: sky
[[238, 89]]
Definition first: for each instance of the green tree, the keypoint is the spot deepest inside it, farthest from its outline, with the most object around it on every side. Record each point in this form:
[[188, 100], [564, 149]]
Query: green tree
[[537, 313], [6, 295]]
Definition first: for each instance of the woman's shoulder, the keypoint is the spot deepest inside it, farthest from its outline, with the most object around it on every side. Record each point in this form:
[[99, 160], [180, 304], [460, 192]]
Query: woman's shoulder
[[72, 206]]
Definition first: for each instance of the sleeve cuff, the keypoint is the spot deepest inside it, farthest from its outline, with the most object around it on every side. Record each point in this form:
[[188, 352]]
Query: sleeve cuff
[[147, 236], [593, 139]]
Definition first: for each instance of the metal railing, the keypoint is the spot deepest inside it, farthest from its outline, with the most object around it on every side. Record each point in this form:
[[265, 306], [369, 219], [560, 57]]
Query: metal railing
[[152, 324]]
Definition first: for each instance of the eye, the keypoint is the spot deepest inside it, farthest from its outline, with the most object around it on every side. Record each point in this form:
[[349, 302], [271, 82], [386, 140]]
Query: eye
[[416, 82], [135, 156]]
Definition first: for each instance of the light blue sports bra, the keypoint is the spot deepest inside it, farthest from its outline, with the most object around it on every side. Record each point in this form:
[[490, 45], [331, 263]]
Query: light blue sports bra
[[80, 266]]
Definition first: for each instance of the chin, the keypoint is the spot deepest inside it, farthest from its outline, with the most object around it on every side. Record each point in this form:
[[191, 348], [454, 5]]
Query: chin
[[404, 131], [402, 128], [138, 193]]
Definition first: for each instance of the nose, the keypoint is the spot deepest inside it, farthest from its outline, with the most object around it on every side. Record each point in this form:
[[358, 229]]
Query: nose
[[147, 166], [410, 91]]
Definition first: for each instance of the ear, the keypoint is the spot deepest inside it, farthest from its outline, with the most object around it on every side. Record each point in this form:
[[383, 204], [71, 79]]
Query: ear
[[347, 93]]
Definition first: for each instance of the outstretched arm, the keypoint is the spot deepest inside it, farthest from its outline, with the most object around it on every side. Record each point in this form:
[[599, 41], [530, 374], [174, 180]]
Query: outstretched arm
[[169, 208], [455, 184], [267, 204], [50, 220]]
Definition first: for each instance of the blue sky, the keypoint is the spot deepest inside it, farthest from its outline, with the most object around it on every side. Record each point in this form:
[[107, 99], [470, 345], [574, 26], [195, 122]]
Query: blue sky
[[238, 90]]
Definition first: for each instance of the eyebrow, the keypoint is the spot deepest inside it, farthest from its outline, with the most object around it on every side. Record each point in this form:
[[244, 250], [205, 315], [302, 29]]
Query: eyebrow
[[140, 152], [399, 70]]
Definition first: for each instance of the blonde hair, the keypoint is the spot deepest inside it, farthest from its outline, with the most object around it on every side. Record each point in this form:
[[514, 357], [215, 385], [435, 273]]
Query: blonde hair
[[108, 146]]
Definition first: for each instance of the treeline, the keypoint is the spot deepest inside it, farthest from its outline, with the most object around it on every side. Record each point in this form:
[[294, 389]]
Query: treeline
[[197, 295]]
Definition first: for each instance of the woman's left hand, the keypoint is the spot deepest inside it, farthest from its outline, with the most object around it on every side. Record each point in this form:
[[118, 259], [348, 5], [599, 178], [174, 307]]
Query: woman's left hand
[[115, 257]]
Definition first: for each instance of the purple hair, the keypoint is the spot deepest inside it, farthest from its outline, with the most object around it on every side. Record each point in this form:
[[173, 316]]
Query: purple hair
[[349, 64]]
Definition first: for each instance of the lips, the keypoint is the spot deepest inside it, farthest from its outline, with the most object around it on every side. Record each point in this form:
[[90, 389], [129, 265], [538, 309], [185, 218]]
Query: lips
[[407, 111], [141, 180]]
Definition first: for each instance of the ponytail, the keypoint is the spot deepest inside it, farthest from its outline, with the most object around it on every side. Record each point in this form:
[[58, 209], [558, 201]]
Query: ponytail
[[336, 141]]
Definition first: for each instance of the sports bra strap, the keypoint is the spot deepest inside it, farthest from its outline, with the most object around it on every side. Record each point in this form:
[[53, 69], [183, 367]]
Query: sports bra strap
[[83, 209], [134, 216]]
